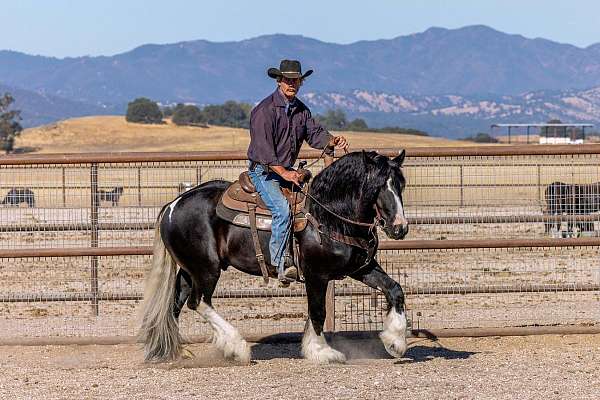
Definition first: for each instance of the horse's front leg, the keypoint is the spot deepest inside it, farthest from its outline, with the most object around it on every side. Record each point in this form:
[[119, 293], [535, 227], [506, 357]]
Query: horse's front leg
[[393, 335], [314, 344]]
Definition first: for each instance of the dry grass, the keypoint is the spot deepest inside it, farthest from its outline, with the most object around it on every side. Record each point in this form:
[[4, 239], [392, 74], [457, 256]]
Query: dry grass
[[113, 133]]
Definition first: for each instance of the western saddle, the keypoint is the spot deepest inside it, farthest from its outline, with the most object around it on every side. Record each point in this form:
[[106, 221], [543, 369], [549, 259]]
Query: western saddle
[[241, 205]]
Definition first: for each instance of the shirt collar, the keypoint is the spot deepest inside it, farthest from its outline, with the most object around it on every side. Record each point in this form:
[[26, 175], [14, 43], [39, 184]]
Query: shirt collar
[[280, 100]]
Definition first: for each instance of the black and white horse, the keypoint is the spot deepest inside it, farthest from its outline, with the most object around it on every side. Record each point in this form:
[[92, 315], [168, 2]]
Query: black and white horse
[[360, 186]]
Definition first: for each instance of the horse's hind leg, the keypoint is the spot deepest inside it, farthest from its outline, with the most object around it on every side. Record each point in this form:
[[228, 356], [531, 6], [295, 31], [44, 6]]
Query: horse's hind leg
[[393, 335], [314, 344], [225, 336], [184, 291]]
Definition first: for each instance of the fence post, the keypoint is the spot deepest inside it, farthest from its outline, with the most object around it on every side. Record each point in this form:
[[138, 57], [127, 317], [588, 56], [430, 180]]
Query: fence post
[[198, 175], [330, 296], [139, 182], [64, 188], [94, 236], [462, 194], [539, 185]]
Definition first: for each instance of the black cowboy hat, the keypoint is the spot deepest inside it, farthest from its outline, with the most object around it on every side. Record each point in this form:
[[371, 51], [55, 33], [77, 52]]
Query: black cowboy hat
[[290, 69]]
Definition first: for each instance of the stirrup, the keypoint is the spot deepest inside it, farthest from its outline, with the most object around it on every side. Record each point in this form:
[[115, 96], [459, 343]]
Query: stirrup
[[289, 275]]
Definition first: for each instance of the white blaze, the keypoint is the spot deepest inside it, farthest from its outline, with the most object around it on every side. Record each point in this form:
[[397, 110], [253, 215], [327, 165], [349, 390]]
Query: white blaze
[[399, 219]]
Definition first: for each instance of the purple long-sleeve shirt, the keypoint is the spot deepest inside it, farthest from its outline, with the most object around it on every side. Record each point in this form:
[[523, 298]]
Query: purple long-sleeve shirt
[[276, 138]]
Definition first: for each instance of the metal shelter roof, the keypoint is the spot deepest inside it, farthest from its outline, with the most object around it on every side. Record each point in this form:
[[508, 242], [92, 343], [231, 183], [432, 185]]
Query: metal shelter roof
[[542, 125]]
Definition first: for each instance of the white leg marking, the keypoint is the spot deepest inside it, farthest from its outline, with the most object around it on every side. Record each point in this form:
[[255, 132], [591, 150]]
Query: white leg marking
[[394, 333], [315, 347], [399, 219], [225, 337], [172, 207]]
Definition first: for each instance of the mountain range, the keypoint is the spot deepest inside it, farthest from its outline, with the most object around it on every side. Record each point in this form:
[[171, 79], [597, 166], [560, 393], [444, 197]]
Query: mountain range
[[438, 75], [454, 115]]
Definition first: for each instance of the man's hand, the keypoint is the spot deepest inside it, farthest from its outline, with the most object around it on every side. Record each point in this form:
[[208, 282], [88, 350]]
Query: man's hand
[[339, 142], [289, 175], [292, 176]]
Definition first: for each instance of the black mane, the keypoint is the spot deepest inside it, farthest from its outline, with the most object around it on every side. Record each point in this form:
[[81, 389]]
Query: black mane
[[349, 187]]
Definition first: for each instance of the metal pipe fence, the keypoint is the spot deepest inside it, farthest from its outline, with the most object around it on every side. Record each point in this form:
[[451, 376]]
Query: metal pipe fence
[[479, 255]]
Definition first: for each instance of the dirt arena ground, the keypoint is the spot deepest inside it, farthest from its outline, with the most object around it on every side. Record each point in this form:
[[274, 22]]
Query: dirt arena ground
[[534, 367]]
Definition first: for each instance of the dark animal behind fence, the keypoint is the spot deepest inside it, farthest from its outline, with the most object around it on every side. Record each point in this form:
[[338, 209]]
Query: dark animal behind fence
[[572, 199], [111, 195], [16, 196]]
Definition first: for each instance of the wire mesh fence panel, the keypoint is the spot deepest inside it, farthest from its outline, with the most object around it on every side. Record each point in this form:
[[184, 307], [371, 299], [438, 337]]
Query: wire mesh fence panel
[[56, 297], [475, 288], [104, 205], [500, 197]]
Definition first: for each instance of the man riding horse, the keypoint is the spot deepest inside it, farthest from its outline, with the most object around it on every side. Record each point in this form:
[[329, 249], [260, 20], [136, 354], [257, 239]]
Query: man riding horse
[[346, 203], [278, 126]]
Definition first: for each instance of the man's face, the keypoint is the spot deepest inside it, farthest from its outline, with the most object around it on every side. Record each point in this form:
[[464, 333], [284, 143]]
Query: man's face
[[290, 86]]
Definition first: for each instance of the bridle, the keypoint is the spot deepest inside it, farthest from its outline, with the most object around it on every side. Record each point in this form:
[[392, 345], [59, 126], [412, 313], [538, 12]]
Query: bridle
[[369, 245], [377, 221]]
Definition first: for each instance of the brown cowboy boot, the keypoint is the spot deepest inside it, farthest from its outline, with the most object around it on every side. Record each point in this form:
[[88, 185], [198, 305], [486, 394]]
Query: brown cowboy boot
[[289, 273]]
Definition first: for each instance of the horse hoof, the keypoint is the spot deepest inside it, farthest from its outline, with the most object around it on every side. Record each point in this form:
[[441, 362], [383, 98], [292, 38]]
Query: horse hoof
[[328, 356], [395, 346], [238, 352]]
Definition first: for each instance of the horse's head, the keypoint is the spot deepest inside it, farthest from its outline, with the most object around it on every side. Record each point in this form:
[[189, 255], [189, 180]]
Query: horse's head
[[389, 204]]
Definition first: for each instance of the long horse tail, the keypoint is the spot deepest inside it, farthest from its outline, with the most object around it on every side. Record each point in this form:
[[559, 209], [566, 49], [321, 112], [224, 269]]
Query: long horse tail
[[159, 330]]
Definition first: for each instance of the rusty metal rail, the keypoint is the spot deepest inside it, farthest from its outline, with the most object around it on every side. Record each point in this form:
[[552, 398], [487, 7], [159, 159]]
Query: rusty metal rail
[[434, 220], [286, 293], [133, 157], [383, 245]]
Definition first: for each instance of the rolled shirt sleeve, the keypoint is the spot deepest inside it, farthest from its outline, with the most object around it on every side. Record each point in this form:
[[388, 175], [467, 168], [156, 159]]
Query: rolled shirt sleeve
[[317, 136], [262, 144]]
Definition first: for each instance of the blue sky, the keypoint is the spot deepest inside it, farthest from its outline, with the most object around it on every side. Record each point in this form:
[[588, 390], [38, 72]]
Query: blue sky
[[64, 28]]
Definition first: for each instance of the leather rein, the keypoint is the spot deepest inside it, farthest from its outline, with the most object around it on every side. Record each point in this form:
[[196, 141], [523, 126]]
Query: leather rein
[[369, 245], [377, 221]]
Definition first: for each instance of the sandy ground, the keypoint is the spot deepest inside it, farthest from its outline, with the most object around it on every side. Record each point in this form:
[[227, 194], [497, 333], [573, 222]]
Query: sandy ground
[[536, 367]]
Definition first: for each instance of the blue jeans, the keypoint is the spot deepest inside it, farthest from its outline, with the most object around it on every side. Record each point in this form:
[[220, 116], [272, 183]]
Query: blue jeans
[[268, 185]]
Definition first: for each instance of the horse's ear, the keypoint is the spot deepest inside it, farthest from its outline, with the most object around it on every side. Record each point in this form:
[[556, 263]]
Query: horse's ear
[[400, 158], [367, 158]]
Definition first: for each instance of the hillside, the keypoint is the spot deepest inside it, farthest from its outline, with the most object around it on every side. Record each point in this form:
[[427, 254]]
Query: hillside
[[459, 79], [39, 108], [453, 116], [114, 134], [470, 60]]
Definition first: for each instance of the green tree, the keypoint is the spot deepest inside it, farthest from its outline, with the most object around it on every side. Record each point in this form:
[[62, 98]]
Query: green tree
[[178, 107], [357, 125], [167, 111], [482, 138], [188, 115], [10, 127], [143, 111], [333, 120], [231, 113]]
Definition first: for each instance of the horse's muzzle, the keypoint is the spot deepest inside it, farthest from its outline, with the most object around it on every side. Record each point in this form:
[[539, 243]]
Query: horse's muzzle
[[397, 232]]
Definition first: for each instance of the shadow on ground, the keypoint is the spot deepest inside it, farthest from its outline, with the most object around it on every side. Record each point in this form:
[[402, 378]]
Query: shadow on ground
[[417, 354], [361, 349]]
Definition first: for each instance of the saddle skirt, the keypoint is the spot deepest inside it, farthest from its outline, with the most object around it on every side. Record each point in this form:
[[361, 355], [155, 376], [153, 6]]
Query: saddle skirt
[[234, 205]]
